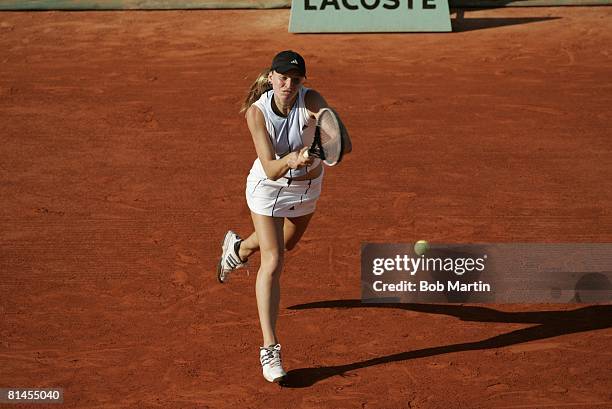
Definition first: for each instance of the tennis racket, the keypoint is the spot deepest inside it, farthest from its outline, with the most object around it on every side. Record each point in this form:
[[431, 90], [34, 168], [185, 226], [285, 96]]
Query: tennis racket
[[328, 143]]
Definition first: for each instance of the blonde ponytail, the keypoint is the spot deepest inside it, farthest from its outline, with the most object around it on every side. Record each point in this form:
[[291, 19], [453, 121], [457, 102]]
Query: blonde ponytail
[[259, 86]]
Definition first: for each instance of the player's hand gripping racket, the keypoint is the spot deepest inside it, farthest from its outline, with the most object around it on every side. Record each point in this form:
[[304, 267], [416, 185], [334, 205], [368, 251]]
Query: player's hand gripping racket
[[328, 143]]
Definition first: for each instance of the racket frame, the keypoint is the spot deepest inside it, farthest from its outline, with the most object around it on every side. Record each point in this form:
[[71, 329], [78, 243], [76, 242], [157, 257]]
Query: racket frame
[[316, 149]]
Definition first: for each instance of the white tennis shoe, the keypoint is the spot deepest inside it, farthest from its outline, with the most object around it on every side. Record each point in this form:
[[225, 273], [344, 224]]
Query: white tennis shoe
[[271, 363], [230, 260]]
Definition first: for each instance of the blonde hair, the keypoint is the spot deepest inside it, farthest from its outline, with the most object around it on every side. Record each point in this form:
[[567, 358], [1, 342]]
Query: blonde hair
[[259, 86]]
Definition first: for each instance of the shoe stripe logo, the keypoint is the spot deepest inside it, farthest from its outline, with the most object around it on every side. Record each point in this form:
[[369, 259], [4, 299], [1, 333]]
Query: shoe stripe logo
[[231, 260]]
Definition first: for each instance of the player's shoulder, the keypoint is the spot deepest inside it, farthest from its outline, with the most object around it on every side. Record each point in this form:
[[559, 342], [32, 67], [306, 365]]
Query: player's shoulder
[[314, 101], [254, 114]]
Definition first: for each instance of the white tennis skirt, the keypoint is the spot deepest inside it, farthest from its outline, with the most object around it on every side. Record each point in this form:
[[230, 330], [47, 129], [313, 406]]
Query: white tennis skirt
[[282, 197]]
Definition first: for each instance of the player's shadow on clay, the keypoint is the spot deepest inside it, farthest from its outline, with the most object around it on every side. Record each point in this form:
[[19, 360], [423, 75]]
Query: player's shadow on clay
[[548, 324]]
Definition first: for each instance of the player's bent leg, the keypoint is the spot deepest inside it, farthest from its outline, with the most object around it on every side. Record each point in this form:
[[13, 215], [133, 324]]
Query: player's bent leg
[[294, 228], [249, 246]]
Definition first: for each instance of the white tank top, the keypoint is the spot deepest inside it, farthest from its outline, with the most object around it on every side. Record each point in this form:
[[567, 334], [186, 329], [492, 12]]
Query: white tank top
[[287, 134]]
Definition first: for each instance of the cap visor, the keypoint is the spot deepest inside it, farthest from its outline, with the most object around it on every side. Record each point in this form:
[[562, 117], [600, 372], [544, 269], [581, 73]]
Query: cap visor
[[289, 67]]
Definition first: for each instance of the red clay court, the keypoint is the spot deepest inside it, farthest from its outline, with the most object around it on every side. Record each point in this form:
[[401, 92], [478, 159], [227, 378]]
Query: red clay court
[[123, 161]]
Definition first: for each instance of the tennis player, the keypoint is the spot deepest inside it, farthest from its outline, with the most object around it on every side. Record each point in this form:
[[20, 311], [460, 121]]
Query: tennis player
[[282, 187]]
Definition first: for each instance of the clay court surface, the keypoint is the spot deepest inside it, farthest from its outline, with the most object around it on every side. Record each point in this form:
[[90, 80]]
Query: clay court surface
[[123, 162]]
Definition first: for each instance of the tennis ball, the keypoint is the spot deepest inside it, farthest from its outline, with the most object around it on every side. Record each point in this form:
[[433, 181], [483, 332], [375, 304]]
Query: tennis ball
[[420, 247]]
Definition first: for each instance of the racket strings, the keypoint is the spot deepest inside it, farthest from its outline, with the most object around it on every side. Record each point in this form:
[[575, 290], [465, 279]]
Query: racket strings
[[330, 137]]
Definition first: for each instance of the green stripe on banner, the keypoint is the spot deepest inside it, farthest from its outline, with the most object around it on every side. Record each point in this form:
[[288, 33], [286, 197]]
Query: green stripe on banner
[[250, 4], [141, 4]]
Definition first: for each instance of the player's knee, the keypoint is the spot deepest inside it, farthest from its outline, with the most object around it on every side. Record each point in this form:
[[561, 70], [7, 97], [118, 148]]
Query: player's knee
[[272, 262]]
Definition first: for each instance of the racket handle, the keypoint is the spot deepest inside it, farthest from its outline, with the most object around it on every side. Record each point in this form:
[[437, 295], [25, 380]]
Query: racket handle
[[306, 154]]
